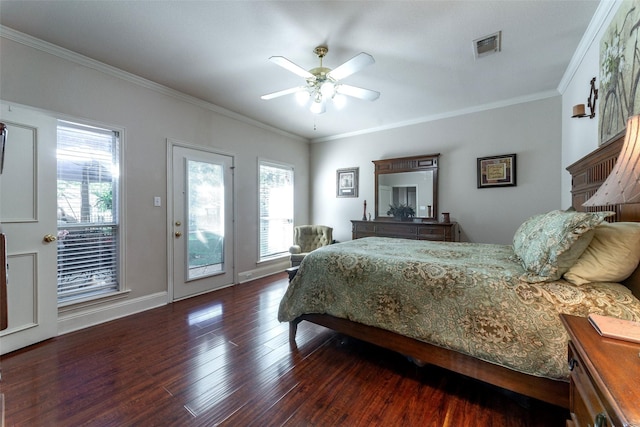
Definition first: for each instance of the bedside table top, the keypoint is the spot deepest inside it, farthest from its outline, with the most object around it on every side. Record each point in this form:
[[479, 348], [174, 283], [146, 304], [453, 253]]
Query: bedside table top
[[614, 367]]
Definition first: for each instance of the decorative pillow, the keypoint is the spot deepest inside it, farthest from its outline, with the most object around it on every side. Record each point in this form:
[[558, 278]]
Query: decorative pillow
[[612, 255], [547, 245]]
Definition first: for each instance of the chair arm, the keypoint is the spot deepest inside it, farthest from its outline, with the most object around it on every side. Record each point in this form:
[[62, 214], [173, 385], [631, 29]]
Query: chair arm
[[295, 249]]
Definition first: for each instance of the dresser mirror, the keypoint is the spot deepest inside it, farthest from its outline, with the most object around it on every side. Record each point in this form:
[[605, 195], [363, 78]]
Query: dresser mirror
[[411, 181]]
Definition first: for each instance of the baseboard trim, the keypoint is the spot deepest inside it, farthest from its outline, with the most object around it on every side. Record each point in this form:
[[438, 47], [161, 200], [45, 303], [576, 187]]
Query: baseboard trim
[[76, 320], [92, 316], [267, 270]]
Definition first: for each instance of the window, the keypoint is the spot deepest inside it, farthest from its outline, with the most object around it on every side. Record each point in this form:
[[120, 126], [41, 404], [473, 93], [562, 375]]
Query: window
[[88, 224], [276, 209]]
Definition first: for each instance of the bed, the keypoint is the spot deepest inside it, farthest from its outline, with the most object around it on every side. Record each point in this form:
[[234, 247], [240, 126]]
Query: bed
[[490, 312]]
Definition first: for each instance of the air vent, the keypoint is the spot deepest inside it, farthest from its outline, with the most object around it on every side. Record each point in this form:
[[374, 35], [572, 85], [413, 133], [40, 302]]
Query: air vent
[[487, 45]]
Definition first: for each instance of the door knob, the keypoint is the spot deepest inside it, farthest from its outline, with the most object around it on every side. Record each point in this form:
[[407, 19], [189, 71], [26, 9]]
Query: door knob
[[48, 238], [178, 234]]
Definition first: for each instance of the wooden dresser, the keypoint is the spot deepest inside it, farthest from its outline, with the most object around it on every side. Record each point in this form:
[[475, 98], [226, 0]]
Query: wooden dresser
[[436, 231], [604, 379]]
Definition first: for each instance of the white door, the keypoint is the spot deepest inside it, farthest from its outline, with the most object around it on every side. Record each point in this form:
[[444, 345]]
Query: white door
[[27, 215], [201, 218]]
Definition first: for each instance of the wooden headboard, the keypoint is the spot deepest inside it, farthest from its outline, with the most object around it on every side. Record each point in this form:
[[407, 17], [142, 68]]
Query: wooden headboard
[[587, 174]]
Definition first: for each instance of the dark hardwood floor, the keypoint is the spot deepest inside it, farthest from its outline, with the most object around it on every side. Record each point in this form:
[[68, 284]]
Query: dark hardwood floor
[[224, 359]]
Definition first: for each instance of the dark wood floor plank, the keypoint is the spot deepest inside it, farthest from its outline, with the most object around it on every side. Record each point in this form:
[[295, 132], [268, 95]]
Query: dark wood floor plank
[[224, 359]]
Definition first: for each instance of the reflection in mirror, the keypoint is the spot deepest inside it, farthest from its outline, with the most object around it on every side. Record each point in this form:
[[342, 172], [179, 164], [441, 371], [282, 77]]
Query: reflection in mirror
[[409, 188]]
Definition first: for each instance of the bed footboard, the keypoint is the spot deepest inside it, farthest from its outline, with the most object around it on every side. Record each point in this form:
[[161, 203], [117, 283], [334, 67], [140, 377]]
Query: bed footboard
[[551, 391]]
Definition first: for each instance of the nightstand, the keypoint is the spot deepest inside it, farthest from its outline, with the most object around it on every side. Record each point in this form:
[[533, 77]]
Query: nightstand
[[604, 378]]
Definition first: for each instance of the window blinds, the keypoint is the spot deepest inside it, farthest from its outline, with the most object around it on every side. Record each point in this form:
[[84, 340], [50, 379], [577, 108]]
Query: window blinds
[[276, 209], [88, 232]]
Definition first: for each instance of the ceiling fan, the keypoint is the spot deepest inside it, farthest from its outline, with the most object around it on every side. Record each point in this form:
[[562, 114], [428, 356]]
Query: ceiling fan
[[323, 83]]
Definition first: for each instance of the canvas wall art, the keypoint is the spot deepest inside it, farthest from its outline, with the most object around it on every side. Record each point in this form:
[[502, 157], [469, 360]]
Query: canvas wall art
[[618, 93]]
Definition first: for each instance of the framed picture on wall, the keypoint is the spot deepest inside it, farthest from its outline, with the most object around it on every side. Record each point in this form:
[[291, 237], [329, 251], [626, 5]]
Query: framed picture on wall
[[347, 182], [497, 171]]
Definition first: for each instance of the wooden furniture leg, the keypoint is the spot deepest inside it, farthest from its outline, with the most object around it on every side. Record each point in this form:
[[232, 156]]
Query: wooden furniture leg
[[293, 329]]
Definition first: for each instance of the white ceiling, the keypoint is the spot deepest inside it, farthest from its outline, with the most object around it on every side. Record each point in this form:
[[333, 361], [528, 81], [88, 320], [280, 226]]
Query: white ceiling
[[218, 51]]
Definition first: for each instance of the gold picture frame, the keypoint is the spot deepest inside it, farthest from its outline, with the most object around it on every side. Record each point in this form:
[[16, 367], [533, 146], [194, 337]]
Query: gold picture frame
[[497, 171]]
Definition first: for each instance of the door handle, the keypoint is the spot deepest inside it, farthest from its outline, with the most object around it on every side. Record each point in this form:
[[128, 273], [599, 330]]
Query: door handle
[[178, 234], [48, 238]]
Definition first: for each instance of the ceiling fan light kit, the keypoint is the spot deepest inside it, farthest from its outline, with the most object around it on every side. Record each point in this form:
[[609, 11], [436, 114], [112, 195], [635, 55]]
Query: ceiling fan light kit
[[323, 84]]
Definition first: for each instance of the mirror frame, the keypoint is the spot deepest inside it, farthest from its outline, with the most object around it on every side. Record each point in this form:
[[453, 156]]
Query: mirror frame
[[427, 162]]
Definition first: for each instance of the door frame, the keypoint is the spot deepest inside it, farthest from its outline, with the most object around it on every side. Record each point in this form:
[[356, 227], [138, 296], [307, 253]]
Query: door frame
[[171, 143]]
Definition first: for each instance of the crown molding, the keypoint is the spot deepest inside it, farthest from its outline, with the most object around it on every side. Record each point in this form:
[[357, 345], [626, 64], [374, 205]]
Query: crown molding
[[60, 52], [588, 38], [447, 115]]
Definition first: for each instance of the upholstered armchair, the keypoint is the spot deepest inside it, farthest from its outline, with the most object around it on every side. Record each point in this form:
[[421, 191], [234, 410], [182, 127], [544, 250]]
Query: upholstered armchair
[[307, 238]]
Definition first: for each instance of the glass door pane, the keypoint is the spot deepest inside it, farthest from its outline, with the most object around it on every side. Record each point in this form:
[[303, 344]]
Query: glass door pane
[[205, 213]]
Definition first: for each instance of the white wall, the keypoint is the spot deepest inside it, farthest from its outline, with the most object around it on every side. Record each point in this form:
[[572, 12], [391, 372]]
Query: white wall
[[532, 130], [77, 90]]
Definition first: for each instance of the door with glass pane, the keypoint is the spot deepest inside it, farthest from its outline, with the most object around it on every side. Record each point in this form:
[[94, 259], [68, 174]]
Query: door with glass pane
[[201, 221]]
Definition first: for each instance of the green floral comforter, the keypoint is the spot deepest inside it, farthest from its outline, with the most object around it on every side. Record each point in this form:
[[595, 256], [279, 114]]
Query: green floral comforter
[[461, 296]]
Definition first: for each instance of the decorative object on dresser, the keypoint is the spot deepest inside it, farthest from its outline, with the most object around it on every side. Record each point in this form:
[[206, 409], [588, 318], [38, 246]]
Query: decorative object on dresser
[[497, 171], [604, 378], [410, 181], [401, 211], [3, 141]]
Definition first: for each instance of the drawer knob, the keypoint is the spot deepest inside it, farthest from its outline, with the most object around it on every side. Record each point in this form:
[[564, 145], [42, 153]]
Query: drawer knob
[[572, 364]]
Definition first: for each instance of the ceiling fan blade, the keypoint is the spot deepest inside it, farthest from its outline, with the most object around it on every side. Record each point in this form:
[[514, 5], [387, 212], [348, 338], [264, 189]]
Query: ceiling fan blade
[[358, 92], [294, 68], [283, 92], [356, 63]]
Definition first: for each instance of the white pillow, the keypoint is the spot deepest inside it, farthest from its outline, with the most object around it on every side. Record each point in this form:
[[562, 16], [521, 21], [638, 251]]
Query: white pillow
[[612, 255]]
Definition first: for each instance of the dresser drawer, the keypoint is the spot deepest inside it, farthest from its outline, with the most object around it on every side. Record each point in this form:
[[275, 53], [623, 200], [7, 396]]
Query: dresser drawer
[[434, 232], [585, 405], [396, 230], [441, 232], [364, 227]]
